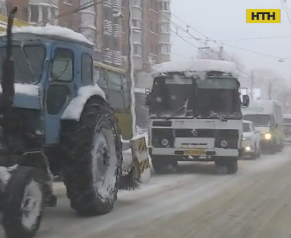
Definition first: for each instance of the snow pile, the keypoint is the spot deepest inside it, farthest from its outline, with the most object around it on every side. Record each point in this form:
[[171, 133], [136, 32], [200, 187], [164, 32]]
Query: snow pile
[[27, 89], [53, 31], [194, 66], [75, 108]]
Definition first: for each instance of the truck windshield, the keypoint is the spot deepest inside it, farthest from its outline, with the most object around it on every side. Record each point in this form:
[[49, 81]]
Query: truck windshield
[[218, 97], [259, 120], [28, 62], [179, 96], [170, 95]]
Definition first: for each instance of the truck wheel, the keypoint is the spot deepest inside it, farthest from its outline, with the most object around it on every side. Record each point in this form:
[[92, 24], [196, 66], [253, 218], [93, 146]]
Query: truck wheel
[[231, 165], [163, 165], [93, 152], [24, 202]]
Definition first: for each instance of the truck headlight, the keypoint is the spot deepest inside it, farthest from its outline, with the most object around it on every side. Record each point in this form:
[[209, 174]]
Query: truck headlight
[[165, 142], [268, 136]]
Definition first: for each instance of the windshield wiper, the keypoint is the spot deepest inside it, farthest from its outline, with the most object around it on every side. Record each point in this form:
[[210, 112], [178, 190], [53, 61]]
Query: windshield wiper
[[184, 107], [216, 115]]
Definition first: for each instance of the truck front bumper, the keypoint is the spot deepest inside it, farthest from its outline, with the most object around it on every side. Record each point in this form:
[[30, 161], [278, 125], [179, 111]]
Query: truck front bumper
[[180, 155]]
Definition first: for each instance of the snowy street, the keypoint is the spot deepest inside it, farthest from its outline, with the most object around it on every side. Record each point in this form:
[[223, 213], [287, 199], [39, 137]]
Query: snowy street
[[193, 202]]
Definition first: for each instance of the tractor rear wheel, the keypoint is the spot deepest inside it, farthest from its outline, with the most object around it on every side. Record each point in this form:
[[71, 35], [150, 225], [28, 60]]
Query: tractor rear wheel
[[93, 152]]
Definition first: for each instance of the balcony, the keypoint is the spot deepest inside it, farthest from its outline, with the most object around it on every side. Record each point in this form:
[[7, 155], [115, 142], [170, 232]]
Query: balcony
[[116, 5], [107, 3], [116, 30], [108, 56], [107, 27], [117, 58]]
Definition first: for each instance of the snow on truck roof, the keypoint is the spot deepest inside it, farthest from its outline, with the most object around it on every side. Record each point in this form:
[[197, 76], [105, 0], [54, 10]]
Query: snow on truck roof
[[260, 107], [195, 65], [53, 31]]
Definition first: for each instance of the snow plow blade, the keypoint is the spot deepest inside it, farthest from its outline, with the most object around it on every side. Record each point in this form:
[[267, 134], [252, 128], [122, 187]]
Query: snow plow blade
[[136, 165]]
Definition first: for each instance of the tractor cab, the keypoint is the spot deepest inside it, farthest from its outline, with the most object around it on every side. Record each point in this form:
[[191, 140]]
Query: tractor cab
[[53, 69]]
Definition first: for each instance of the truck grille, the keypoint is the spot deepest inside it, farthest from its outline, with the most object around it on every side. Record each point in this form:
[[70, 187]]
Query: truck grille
[[194, 133]]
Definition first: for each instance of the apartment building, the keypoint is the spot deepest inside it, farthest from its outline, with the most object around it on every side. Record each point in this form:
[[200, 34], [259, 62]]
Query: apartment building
[[109, 28], [107, 25], [150, 32]]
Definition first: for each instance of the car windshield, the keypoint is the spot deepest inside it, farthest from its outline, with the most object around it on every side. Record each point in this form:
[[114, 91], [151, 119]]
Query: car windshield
[[246, 127], [28, 62], [259, 120]]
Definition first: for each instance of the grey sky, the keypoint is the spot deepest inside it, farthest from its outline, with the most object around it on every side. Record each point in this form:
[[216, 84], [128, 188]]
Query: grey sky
[[226, 19]]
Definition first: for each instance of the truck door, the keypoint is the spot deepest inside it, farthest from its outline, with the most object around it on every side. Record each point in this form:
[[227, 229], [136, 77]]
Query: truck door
[[59, 90]]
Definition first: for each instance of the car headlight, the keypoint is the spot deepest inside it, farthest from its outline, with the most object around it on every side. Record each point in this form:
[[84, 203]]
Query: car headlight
[[248, 148], [268, 136]]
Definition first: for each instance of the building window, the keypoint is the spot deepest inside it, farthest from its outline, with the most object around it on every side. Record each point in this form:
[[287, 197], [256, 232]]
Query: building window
[[62, 66], [34, 13], [137, 23], [164, 6], [136, 3], [137, 50], [165, 27], [25, 13], [165, 49], [3, 8]]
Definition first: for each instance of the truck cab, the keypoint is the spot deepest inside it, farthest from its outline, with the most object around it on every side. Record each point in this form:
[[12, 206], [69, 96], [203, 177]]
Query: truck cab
[[195, 114]]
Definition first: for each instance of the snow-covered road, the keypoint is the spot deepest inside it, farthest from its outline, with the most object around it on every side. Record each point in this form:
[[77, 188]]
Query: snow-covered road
[[195, 190]]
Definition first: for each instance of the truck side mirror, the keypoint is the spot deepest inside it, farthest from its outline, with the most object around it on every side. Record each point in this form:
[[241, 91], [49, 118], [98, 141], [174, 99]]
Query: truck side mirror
[[245, 100]]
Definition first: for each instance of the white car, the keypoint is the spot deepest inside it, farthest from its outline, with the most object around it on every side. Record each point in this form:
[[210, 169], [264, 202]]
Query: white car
[[251, 140]]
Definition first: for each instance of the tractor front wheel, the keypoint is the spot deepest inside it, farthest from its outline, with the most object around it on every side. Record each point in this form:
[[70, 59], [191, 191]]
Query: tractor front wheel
[[24, 201], [93, 160]]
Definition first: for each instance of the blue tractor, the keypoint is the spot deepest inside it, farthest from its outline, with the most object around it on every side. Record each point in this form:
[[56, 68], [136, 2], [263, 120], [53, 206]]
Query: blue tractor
[[54, 121]]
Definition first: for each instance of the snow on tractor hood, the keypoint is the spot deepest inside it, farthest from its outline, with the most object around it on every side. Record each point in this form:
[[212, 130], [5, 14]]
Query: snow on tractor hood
[[26, 96]]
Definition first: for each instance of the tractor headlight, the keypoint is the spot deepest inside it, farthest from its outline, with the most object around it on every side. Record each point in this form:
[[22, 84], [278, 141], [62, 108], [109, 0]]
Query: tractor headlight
[[268, 136]]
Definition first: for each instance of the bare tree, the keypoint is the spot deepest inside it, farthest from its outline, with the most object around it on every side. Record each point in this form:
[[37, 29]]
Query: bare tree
[[272, 84]]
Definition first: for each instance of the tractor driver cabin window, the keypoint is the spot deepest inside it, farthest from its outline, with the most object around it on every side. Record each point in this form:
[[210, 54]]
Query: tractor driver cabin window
[[62, 67]]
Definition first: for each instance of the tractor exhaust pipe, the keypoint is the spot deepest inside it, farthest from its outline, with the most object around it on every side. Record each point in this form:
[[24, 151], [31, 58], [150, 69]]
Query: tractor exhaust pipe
[[8, 75]]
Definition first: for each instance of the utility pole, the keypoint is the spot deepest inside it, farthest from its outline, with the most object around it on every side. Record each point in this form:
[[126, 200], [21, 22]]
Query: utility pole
[[220, 54], [252, 85], [131, 68]]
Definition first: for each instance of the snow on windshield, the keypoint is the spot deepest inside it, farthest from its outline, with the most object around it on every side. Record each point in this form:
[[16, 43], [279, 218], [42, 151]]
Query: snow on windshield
[[53, 31]]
